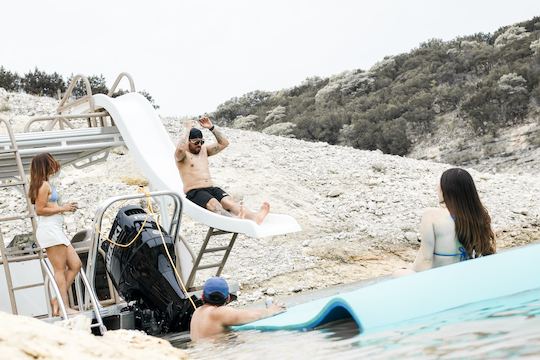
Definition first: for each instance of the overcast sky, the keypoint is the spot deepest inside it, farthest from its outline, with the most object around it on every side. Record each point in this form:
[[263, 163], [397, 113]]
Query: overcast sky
[[193, 55]]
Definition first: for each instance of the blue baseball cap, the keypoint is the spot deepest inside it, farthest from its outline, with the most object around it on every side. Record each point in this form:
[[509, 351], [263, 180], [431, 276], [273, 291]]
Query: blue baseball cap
[[215, 290]]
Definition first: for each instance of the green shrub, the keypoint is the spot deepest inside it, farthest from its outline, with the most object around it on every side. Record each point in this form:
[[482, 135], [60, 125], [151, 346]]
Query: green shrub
[[43, 84], [98, 85], [144, 93], [38, 82], [285, 129], [9, 81], [393, 138], [149, 97]]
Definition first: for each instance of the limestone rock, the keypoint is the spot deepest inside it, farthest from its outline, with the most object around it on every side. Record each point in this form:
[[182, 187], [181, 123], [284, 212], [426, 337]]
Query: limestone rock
[[334, 193], [411, 236], [270, 292]]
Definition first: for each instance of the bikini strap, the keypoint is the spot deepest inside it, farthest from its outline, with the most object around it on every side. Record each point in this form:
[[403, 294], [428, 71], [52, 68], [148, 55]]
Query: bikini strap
[[463, 254]]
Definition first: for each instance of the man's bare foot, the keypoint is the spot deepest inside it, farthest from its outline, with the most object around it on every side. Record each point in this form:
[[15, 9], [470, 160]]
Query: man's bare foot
[[265, 209], [242, 211], [55, 307]]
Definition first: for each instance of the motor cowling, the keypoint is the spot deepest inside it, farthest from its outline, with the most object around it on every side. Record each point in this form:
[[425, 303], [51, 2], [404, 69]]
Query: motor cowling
[[142, 272]]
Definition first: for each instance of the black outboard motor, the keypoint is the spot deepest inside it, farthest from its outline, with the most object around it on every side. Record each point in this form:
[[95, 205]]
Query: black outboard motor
[[142, 273]]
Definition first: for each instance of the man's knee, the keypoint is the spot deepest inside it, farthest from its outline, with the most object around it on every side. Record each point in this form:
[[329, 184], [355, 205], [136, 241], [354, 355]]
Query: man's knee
[[227, 202], [214, 205]]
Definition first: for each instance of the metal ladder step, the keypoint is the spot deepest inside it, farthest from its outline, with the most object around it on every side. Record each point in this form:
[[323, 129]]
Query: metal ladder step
[[209, 266], [22, 287], [18, 217], [204, 250], [221, 248], [16, 183], [10, 151]]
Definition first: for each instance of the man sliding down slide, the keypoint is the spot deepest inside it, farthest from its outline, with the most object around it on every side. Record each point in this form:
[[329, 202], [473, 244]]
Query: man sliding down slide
[[192, 161]]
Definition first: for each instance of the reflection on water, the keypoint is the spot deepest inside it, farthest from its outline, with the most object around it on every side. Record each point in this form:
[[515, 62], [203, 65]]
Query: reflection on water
[[499, 328]]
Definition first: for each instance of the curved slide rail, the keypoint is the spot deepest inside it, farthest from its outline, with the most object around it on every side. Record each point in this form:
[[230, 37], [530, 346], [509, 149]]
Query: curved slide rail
[[403, 299], [153, 149]]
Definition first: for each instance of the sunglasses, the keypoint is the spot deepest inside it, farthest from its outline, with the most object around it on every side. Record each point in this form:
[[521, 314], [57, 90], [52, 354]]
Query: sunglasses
[[197, 142]]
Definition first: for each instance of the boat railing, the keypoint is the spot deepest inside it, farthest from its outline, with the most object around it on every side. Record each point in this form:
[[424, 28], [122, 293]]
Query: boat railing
[[171, 217]]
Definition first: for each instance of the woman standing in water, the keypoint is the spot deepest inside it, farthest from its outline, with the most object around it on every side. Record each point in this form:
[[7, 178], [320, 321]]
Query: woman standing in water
[[50, 234], [459, 229]]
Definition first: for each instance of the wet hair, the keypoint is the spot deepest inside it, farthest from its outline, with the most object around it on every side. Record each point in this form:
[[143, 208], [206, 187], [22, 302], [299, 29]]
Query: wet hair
[[43, 165], [473, 223], [215, 298]]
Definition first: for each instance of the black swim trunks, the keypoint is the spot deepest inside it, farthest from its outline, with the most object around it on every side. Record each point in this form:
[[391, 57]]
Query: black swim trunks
[[202, 196]]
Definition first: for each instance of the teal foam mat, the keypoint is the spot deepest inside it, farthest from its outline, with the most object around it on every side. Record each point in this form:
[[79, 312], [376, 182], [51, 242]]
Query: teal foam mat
[[406, 298]]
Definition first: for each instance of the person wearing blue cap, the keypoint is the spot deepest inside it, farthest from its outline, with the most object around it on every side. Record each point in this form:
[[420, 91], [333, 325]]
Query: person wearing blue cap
[[213, 317], [191, 156]]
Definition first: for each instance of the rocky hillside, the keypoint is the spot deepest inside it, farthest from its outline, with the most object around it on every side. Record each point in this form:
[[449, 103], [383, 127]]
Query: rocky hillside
[[514, 149], [359, 209], [461, 101]]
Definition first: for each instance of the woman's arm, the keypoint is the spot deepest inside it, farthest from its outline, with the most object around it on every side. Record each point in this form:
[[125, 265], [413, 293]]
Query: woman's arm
[[44, 207], [424, 258]]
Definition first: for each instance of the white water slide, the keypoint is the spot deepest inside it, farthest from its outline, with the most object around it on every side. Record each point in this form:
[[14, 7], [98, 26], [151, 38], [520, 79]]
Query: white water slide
[[153, 151]]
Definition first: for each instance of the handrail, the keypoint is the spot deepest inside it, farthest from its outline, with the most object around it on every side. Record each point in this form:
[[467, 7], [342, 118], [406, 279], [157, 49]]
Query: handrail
[[173, 230], [55, 287], [88, 97], [62, 119], [117, 81]]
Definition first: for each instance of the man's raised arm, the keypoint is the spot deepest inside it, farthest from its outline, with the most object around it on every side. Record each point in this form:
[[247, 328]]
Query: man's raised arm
[[222, 141], [181, 147]]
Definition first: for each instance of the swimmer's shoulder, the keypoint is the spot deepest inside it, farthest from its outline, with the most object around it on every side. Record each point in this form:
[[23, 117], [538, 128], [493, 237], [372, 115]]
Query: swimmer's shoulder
[[434, 213]]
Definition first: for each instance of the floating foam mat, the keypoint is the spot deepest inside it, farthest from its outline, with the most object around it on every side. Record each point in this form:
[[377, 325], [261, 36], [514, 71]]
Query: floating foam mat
[[414, 296]]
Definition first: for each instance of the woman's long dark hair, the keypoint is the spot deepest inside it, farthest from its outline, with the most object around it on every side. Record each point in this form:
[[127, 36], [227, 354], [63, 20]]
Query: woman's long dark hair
[[43, 165], [473, 224]]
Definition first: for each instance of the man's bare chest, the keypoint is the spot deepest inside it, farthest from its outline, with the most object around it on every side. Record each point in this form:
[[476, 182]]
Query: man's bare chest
[[195, 162]]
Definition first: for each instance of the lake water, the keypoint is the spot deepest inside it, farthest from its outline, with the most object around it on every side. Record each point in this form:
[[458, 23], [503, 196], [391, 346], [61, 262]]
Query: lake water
[[507, 327]]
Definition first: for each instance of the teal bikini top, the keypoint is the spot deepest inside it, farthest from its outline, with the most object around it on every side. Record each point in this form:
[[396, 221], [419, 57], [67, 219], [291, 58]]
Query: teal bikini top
[[462, 254], [54, 195]]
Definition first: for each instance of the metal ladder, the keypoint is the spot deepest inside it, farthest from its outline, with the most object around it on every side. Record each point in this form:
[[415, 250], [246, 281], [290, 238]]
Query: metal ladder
[[47, 273], [205, 250], [21, 181]]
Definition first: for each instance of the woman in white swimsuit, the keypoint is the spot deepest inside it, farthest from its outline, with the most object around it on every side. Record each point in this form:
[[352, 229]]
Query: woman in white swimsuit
[[50, 234], [459, 229]]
